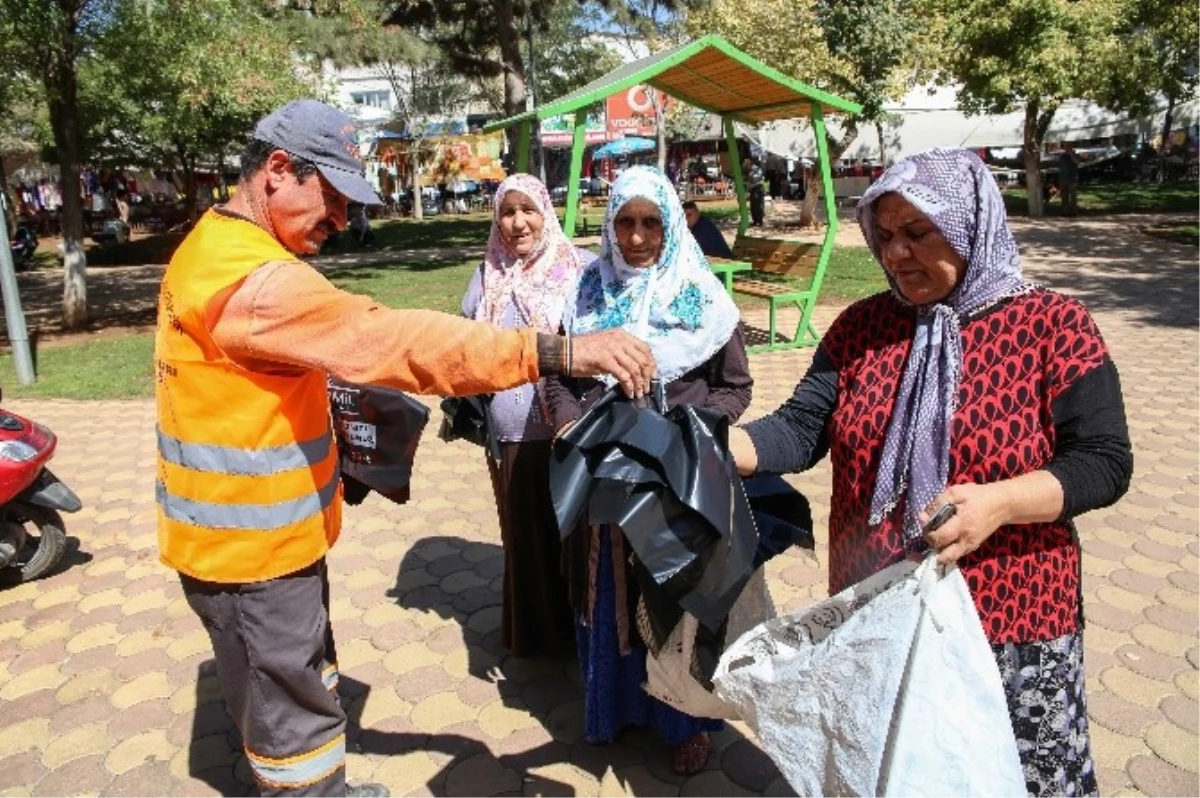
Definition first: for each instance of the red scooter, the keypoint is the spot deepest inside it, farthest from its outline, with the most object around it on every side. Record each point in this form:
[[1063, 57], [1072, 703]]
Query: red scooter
[[32, 537]]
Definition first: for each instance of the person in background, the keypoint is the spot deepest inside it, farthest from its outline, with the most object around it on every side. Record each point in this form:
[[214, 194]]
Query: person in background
[[248, 489], [706, 232], [652, 280], [752, 173], [360, 226], [526, 280], [1068, 179], [967, 388]]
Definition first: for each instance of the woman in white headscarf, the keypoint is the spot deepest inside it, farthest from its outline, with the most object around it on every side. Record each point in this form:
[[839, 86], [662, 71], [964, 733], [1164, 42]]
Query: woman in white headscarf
[[652, 280], [527, 277]]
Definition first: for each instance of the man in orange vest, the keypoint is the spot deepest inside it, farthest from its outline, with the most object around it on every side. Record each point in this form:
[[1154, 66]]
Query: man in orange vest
[[249, 496]]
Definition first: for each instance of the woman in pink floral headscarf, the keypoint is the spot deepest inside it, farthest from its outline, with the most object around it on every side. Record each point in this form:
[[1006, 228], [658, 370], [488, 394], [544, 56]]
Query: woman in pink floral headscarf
[[526, 280]]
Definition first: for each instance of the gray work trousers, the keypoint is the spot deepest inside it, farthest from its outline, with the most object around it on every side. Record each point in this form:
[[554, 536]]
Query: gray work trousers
[[278, 669]]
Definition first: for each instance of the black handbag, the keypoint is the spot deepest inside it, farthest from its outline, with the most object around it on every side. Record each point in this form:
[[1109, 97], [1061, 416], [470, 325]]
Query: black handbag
[[465, 418], [378, 430]]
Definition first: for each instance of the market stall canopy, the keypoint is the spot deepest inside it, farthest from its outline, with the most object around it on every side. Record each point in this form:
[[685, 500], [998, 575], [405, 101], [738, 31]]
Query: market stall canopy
[[708, 73], [629, 145]]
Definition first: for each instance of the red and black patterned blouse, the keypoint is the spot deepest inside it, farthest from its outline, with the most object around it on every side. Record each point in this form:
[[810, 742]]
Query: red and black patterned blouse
[[1038, 391]]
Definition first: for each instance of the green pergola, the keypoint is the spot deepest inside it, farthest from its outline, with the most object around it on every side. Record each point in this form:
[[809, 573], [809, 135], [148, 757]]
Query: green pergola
[[710, 74]]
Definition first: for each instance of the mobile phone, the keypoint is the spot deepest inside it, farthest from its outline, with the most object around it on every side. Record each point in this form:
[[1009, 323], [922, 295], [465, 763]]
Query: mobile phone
[[943, 514]]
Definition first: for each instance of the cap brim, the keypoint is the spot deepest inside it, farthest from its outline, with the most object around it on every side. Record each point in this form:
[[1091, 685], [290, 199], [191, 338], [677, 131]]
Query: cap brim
[[350, 185]]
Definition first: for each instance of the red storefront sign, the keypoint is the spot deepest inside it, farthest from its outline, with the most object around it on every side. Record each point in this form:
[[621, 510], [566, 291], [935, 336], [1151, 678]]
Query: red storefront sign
[[632, 112]]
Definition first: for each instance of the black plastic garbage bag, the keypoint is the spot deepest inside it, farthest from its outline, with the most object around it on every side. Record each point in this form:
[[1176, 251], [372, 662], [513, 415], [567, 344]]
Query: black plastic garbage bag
[[782, 518], [667, 480], [466, 418], [781, 514], [378, 430]]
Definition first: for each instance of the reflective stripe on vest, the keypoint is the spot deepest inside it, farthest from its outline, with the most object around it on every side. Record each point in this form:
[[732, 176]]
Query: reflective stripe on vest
[[263, 517], [244, 462], [300, 771]]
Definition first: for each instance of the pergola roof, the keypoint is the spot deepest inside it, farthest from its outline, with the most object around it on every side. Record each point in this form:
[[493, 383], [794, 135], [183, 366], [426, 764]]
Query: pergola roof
[[708, 73]]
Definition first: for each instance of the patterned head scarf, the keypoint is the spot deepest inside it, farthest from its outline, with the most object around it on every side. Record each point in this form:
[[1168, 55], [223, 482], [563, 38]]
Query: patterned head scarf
[[678, 306], [538, 285], [954, 189]]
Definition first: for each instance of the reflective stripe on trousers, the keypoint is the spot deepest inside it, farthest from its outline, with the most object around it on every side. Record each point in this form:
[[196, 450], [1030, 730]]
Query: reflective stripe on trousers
[[302, 770]]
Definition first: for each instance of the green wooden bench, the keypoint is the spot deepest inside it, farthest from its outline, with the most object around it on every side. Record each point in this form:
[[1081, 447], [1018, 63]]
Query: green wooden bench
[[777, 264]]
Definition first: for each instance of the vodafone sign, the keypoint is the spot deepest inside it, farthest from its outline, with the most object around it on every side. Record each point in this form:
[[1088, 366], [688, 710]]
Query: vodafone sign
[[631, 112]]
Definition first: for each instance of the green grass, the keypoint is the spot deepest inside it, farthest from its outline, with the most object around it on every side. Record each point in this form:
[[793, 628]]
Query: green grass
[[1188, 234], [434, 284], [852, 273], [119, 367], [1106, 198]]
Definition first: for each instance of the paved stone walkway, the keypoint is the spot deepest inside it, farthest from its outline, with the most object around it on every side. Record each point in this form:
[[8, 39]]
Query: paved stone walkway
[[106, 678]]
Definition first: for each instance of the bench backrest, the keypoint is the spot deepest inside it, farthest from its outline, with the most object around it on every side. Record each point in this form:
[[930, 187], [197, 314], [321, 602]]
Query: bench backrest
[[778, 256]]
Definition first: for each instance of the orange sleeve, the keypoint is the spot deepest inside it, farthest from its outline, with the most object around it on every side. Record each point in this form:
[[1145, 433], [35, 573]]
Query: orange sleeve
[[288, 314]]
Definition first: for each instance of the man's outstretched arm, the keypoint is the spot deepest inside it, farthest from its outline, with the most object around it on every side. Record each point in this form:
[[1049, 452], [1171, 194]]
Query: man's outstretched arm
[[288, 314]]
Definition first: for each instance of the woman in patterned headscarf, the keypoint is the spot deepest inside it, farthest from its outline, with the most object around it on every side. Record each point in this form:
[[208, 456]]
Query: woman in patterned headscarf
[[966, 390], [527, 277], [652, 280]]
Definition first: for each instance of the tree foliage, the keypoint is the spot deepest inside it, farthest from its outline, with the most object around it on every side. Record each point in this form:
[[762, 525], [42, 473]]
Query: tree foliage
[[1032, 55], [1156, 55], [184, 82], [46, 40], [483, 39], [568, 56], [865, 51]]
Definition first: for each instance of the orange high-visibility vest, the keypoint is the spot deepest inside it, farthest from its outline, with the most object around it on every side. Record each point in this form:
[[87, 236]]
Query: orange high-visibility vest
[[248, 483]]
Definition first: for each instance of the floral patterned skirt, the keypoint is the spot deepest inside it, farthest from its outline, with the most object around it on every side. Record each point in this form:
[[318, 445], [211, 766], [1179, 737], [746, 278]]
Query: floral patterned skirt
[[1044, 684]]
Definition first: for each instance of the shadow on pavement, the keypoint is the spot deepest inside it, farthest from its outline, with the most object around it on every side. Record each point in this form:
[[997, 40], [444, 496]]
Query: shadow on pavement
[[1155, 281], [548, 690]]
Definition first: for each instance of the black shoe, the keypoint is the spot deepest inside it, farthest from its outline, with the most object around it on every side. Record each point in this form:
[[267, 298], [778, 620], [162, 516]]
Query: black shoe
[[367, 790]]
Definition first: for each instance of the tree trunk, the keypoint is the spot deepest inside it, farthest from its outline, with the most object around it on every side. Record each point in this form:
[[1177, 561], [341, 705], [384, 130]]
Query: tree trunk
[[10, 207], [812, 186], [883, 159], [1164, 149], [1037, 122], [62, 91], [414, 168], [189, 182], [509, 40], [808, 209]]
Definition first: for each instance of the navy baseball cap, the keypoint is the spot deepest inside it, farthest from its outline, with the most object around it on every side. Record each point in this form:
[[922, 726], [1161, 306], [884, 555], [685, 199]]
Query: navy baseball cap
[[320, 133]]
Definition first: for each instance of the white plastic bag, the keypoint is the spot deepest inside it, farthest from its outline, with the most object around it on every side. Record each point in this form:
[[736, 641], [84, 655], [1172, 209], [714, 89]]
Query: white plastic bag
[[668, 676], [887, 688]]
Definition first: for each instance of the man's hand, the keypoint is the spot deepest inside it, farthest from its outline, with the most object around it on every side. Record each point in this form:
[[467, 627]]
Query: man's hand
[[614, 352]]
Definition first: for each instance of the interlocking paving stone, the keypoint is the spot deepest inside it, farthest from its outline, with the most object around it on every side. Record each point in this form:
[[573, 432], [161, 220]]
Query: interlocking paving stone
[[1156, 777], [1174, 746], [78, 777], [1150, 663], [1183, 712]]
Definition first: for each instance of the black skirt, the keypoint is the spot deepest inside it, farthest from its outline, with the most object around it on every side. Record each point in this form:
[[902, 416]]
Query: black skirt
[[536, 619]]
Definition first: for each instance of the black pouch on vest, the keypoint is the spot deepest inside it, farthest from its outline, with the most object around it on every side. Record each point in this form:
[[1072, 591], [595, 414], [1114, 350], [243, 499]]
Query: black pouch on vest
[[378, 430]]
